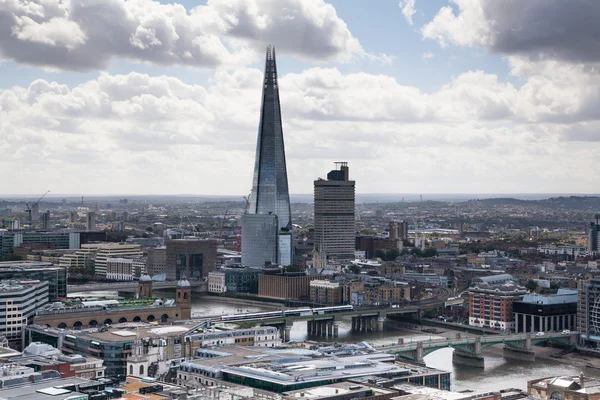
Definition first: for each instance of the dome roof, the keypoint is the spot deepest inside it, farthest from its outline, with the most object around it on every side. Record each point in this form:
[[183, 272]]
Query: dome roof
[[183, 282], [145, 278]]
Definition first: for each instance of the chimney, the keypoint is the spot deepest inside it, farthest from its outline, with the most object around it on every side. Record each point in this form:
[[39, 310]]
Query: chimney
[[581, 379]]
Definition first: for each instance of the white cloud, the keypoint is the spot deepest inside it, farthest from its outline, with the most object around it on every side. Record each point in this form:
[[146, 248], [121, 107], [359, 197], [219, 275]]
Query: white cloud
[[139, 134], [88, 34], [408, 9], [428, 55], [537, 29]]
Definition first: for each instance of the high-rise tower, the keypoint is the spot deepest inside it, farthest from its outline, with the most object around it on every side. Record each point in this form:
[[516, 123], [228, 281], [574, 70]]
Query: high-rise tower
[[267, 225], [335, 232]]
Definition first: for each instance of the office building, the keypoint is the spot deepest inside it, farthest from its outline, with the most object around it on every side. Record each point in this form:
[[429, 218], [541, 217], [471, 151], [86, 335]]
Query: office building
[[90, 223], [594, 236], [157, 260], [325, 292], [19, 301], [60, 240], [370, 244], [104, 251], [46, 219], [285, 287], [55, 275], [335, 232], [491, 301], [79, 262], [216, 282], [545, 313], [125, 268], [267, 225], [398, 230], [222, 335], [588, 311], [192, 258]]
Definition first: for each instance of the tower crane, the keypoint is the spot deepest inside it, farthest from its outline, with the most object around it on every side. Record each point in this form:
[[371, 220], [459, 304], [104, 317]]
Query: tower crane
[[29, 209], [220, 237], [238, 238]]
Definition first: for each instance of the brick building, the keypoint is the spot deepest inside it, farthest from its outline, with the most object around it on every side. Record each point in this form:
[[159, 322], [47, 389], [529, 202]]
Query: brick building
[[325, 292], [284, 287], [491, 301]]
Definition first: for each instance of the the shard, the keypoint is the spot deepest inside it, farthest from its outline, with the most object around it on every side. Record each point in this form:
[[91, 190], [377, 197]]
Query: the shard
[[267, 225]]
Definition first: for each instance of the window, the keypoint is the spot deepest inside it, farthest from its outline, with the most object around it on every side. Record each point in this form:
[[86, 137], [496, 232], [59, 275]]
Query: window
[[141, 370]]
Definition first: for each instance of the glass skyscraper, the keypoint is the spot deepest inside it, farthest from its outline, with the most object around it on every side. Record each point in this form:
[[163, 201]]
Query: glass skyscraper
[[267, 226]]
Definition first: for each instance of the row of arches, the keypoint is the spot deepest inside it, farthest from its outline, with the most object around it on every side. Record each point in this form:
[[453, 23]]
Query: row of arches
[[78, 325]]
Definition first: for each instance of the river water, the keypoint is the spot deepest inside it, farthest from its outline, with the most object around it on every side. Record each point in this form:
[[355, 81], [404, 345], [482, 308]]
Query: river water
[[498, 373]]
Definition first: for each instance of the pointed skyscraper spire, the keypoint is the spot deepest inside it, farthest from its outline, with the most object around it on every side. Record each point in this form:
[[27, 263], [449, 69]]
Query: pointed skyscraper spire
[[270, 195]]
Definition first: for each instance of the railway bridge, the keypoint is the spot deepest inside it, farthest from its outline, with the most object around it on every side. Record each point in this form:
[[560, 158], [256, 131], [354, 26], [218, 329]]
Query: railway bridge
[[468, 350], [324, 321]]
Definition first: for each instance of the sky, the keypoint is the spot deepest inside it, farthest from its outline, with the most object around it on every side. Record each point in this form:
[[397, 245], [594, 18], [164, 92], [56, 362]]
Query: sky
[[104, 97]]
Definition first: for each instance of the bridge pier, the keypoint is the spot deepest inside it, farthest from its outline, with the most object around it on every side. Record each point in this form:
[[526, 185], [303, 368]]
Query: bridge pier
[[515, 353], [470, 355], [336, 329], [522, 353], [286, 333], [460, 357], [330, 328], [380, 322]]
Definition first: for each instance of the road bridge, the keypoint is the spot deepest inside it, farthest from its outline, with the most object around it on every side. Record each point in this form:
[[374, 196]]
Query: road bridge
[[468, 349], [132, 286]]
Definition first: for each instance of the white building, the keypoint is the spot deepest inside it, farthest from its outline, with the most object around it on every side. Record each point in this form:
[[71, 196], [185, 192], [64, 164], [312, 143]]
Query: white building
[[262, 336], [19, 301], [217, 282], [125, 268], [104, 251]]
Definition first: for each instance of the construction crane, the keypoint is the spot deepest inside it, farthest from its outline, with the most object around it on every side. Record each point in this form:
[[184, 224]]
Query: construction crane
[[220, 237], [29, 209], [238, 238]]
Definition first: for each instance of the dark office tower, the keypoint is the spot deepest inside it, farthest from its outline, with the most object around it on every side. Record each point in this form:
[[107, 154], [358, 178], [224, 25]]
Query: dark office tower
[[267, 226], [335, 232], [594, 236]]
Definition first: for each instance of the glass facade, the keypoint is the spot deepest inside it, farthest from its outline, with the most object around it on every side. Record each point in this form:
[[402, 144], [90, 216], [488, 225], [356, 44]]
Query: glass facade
[[270, 194], [259, 239], [189, 264], [55, 275]]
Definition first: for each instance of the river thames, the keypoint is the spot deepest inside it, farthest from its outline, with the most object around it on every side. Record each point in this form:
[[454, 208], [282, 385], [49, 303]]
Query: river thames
[[498, 373]]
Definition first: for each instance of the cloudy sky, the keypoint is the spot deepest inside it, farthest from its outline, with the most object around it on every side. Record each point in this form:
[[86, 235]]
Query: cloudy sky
[[419, 96]]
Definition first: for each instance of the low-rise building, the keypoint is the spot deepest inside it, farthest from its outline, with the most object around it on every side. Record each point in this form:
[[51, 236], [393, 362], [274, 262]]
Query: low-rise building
[[217, 282], [325, 292], [545, 313], [226, 335], [564, 388]]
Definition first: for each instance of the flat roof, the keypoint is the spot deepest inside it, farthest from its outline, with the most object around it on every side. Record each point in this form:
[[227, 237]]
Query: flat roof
[[315, 370]]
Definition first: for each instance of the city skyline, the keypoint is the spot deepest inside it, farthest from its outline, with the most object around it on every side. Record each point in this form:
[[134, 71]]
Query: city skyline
[[446, 97]]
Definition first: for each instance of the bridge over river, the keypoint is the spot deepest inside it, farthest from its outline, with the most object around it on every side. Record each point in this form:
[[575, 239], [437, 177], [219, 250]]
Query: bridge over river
[[468, 349], [132, 286]]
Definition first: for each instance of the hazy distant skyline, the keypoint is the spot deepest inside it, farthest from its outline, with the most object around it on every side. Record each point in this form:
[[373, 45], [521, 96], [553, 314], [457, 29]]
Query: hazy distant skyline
[[419, 96]]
